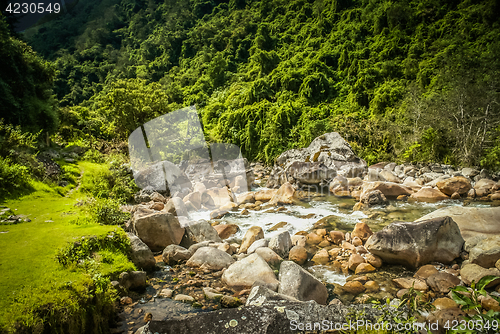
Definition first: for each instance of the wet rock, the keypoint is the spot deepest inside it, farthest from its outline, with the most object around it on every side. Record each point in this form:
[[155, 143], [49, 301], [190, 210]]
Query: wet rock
[[277, 226], [371, 287], [363, 268], [281, 243], [354, 287], [486, 253], [133, 279], [362, 231], [265, 195], [337, 236], [456, 184], [211, 293], [210, 258], [284, 195], [314, 239], [356, 242], [173, 254], [298, 283], [126, 300], [471, 221], [418, 243], [248, 197], [388, 189], [473, 272], [321, 257], [243, 273], [298, 254], [257, 244], [253, 233], [429, 195], [408, 282], [442, 282], [158, 230], [198, 232], [374, 197], [483, 187], [140, 253], [226, 230], [489, 303]]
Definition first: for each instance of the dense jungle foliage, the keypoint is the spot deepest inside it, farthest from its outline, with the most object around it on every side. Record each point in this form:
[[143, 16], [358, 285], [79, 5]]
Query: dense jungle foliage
[[400, 80]]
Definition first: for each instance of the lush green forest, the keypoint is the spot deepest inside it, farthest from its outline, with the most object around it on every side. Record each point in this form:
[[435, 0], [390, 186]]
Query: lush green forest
[[400, 80]]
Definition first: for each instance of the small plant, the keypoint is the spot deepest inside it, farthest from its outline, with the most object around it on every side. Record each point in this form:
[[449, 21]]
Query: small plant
[[415, 301], [107, 211], [468, 299]]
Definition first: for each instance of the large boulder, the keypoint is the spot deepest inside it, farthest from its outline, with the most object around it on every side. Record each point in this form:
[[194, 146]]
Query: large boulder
[[210, 258], [157, 230], [198, 232], [253, 233], [417, 243], [245, 272], [471, 221], [163, 177], [429, 195], [140, 253], [284, 195], [317, 163], [281, 243], [298, 283], [483, 187], [456, 184]]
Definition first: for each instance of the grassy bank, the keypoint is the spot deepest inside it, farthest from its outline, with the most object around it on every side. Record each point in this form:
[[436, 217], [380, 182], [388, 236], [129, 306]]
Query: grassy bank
[[36, 292]]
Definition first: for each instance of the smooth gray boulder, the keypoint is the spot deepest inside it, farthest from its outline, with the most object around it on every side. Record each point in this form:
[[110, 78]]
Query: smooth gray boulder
[[471, 221], [210, 258], [140, 253], [299, 284], [198, 232], [157, 230], [173, 254], [281, 244], [243, 273], [417, 243]]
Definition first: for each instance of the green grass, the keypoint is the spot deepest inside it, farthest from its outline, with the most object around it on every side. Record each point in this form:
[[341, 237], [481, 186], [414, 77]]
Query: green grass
[[30, 275]]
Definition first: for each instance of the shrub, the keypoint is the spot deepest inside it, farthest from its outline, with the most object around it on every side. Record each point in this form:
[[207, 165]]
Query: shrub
[[13, 177], [107, 211]]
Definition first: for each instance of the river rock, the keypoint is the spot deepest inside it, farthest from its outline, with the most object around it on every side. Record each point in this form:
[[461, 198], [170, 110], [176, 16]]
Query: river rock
[[243, 273], [298, 283], [281, 243], [374, 260], [426, 271], [408, 282], [265, 195], [299, 240], [140, 254], [417, 243], [248, 197], [444, 303], [133, 279], [226, 230], [210, 258], [353, 287], [284, 195], [221, 196], [389, 189], [195, 198], [298, 254], [374, 197], [184, 298], [318, 162], [173, 254], [473, 272], [257, 244], [362, 231], [483, 187], [176, 206], [471, 221], [354, 261], [363, 268], [253, 233], [321, 257], [198, 232], [158, 230], [269, 255], [429, 195], [163, 177], [388, 176], [442, 282], [486, 253], [456, 184]]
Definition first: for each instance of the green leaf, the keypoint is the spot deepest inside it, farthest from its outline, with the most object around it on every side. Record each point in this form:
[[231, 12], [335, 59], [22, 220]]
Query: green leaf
[[485, 281]]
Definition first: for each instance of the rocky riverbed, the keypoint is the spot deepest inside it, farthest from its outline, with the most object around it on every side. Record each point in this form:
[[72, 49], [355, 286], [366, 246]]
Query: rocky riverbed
[[319, 226]]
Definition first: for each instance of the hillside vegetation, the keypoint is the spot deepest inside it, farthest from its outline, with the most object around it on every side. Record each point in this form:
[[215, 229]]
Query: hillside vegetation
[[405, 80]]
